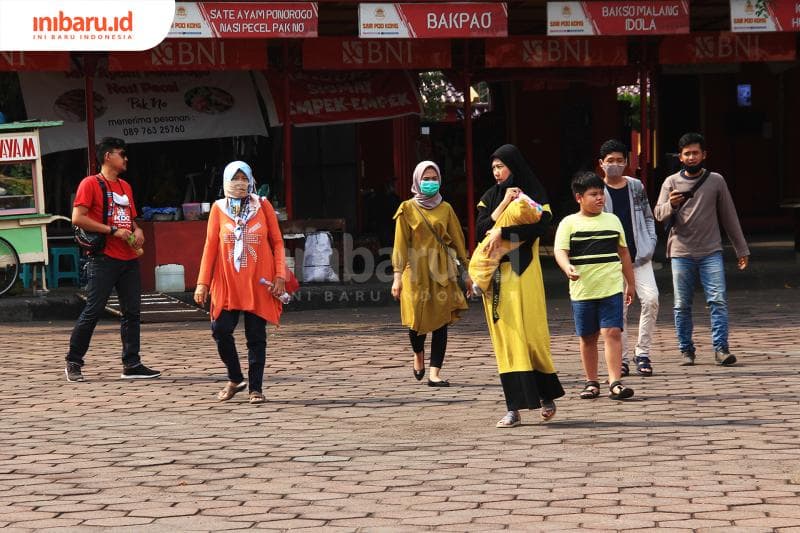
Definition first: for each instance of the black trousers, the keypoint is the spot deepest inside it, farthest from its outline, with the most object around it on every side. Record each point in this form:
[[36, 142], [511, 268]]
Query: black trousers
[[255, 331], [104, 274], [438, 344]]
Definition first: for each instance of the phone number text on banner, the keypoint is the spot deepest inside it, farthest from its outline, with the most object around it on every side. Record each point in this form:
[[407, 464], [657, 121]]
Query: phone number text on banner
[[635, 17]]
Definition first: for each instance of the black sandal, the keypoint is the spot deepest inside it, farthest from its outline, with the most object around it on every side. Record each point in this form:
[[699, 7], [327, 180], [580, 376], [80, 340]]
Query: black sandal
[[625, 370], [590, 391], [618, 391], [643, 366]]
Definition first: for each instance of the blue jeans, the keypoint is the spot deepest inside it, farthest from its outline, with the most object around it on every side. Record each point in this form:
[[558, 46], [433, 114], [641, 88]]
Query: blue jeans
[[255, 331], [711, 271], [104, 274]]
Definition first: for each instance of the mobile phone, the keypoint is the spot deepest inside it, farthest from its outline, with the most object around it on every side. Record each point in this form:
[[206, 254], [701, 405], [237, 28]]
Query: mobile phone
[[688, 194]]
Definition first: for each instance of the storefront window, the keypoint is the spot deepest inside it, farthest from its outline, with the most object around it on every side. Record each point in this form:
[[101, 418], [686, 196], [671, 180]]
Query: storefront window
[[16, 188]]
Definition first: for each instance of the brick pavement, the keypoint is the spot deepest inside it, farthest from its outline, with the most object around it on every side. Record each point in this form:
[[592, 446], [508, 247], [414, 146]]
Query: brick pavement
[[349, 441]]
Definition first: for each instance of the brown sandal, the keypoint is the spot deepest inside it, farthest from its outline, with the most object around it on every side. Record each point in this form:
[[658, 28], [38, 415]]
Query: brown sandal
[[230, 390], [256, 397]]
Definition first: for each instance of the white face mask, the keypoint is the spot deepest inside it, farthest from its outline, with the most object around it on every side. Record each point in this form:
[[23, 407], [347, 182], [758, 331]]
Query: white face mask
[[613, 170], [121, 199]]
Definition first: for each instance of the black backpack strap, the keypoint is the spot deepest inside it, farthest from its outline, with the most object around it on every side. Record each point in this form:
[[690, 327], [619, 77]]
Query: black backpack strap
[[107, 205]]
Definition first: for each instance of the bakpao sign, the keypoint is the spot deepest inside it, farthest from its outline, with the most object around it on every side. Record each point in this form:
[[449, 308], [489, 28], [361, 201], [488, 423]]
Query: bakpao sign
[[429, 20], [83, 25]]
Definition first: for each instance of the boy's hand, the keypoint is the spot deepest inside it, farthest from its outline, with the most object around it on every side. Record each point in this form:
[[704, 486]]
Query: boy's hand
[[572, 273], [676, 198], [511, 194], [742, 262], [629, 292]]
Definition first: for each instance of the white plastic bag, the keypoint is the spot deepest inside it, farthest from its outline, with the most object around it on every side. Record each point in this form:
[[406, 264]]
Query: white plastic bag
[[317, 258]]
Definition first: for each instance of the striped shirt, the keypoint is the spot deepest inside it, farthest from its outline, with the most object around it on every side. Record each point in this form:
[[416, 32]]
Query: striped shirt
[[592, 243]]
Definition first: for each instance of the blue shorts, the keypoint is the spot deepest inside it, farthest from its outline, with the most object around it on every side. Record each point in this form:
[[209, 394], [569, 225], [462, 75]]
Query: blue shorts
[[592, 315]]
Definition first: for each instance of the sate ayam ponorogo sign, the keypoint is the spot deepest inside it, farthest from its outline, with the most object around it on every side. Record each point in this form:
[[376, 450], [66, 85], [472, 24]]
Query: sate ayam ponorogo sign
[[339, 97], [245, 20], [726, 48], [191, 55], [540, 52], [754, 16], [657, 17], [433, 20], [342, 53]]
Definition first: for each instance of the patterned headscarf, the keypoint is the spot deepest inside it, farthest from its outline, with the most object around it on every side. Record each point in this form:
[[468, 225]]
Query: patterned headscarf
[[239, 205], [428, 202]]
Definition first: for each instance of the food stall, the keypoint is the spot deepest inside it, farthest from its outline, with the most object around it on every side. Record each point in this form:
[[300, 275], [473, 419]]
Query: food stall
[[23, 222]]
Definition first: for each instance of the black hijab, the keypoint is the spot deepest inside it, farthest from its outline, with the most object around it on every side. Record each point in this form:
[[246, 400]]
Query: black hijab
[[521, 176]]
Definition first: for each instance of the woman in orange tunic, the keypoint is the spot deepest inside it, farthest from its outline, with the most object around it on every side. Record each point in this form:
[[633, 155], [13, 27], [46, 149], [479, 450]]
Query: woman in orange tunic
[[243, 250]]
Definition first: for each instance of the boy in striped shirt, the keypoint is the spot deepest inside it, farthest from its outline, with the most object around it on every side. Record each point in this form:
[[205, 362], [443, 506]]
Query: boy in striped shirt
[[590, 248]]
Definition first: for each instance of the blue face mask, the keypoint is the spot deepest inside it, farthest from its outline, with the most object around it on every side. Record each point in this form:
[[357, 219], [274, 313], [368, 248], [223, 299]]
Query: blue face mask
[[429, 187]]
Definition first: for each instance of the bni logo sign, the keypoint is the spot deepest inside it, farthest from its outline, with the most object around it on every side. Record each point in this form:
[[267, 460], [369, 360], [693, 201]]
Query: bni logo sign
[[84, 25]]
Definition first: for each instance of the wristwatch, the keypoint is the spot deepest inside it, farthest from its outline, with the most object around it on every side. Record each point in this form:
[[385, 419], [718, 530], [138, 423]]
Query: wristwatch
[[113, 230]]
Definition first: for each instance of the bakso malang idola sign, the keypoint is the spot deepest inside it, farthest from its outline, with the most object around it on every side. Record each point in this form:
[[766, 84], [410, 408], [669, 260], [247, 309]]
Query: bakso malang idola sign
[[655, 17]]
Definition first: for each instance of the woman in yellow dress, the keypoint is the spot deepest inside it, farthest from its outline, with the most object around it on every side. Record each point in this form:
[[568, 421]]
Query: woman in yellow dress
[[515, 303], [424, 274]]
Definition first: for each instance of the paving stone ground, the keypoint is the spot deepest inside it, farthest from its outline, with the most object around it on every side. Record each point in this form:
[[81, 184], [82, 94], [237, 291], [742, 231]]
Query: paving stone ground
[[349, 441]]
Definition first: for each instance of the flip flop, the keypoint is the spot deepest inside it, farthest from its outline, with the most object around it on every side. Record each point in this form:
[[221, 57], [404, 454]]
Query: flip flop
[[230, 390], [548, 410], [256, 397]]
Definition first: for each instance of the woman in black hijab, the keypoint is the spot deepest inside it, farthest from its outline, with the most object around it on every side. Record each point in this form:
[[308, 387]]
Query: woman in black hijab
[[515, 303]]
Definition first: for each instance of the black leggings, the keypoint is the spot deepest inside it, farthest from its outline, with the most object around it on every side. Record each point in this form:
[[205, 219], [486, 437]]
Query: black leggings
[[438, 344]]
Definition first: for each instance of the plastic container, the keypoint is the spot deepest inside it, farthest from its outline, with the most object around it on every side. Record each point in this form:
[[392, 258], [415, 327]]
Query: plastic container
[[192, 211], [169, 278]]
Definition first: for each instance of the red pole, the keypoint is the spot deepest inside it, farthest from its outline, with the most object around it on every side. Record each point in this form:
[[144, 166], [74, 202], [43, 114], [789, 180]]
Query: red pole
[[89, 68], [468, 145], [654, 147], [644, 159], [287, 138]]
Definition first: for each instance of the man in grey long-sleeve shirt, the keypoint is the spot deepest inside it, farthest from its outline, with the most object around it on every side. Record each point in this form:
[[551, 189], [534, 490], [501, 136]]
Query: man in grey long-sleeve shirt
[[694, 244]]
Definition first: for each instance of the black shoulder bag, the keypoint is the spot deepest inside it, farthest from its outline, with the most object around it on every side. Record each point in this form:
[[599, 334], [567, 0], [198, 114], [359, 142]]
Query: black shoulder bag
[[670, 223], [92, 242], [461, 271]]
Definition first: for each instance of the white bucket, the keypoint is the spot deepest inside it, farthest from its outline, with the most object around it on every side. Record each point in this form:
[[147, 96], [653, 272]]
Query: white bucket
[[169, 278]]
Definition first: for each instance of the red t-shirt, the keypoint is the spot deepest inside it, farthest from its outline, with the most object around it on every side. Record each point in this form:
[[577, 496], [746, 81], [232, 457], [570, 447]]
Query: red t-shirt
[[90, 195]]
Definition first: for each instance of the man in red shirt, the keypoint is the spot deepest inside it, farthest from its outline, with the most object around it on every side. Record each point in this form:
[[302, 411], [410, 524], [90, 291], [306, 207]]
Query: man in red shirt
[[116, 266]]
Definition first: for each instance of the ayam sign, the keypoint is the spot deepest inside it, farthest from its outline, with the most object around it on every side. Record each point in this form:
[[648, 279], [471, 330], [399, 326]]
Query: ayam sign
[[754, 16], [539, 52], [245, 20], [433, 20], [338, 53], [330, 98], [193, 54], [726, 48], [18, 147], [17, 61], [634, 17]]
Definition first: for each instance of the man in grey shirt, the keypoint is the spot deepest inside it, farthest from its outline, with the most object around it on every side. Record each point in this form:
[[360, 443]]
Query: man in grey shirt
[[691, 202]]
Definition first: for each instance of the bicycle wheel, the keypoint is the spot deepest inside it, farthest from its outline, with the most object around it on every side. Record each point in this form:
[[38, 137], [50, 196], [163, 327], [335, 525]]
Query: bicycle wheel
[[9, 266]]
